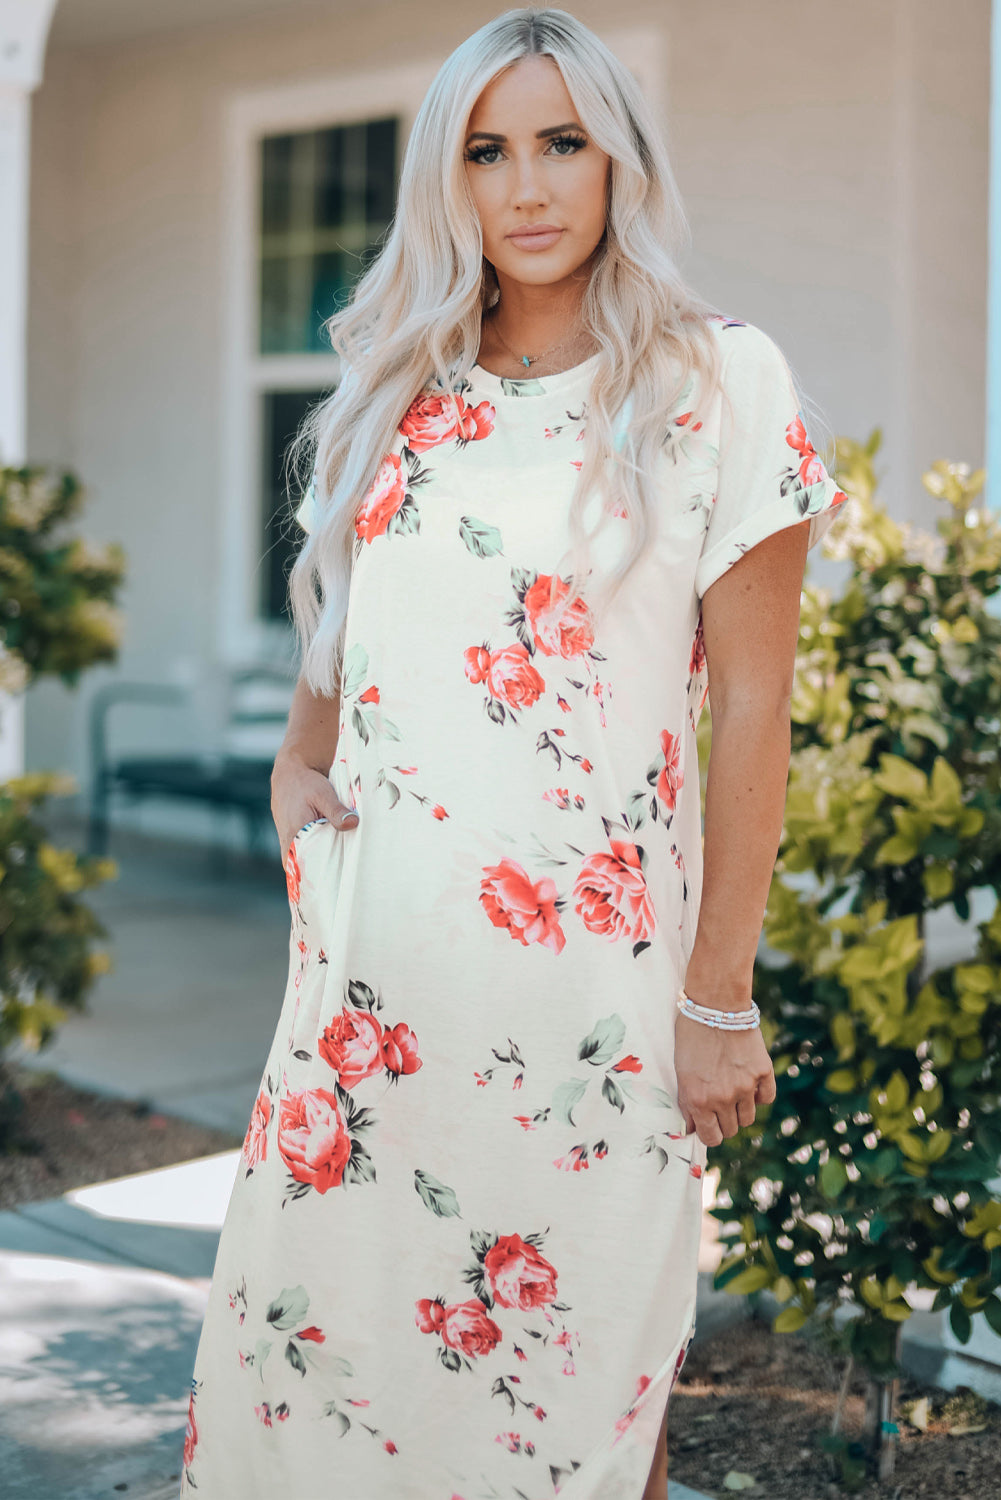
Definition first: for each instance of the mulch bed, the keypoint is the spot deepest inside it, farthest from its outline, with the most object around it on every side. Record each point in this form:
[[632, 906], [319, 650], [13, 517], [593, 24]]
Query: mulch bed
[[753, 1402], [54, 1137]]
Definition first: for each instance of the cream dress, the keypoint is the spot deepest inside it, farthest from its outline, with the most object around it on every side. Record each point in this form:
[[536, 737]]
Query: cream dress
[[460, 1258]]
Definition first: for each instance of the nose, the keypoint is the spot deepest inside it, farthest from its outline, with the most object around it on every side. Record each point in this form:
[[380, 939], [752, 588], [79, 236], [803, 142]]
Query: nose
[[528, 188]]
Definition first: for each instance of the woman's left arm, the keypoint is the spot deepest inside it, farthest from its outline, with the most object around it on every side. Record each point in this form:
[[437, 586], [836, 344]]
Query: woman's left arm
[[750, 623]]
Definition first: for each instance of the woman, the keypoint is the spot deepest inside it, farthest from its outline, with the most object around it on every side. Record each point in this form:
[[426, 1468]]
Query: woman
[[460, 1258]]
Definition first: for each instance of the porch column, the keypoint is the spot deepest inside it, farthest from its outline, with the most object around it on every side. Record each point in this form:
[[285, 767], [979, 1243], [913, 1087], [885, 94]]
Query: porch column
[[24, 27]]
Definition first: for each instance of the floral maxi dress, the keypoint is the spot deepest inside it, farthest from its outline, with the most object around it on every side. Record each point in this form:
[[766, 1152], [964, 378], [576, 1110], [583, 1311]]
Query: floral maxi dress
[[460, 1258]]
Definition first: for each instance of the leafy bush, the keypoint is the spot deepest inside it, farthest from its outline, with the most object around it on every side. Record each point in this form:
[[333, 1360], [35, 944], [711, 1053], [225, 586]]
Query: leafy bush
[[870, 1174], [57, 616]]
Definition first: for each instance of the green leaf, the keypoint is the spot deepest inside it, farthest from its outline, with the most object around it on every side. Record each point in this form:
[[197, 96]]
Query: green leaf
[[832, 1177], [960, 1322], [355, 668], [482, 539], [601, 1044], [736, 1480], [441, 1200], [611, 1091], [789, 1319], [992, 1312], [751, 1279], [566, 1097], [289, 1308], [294, 1356]]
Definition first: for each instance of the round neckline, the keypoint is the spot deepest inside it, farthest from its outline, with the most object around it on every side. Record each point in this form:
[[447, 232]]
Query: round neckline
[[486, 380]]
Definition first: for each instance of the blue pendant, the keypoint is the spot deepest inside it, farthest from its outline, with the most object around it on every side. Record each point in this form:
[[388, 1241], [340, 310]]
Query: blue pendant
[[525, 361]]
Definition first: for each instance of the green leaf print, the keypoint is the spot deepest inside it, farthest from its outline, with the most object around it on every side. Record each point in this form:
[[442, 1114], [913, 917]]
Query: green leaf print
[[341, 1421], [361, 728], [566, 1097], [482, 539], [261, 1351], [289, 1308], [339, 1366], [611, 1091], [601, 1045], [441, 1200], [294, 1356], [355, 668]]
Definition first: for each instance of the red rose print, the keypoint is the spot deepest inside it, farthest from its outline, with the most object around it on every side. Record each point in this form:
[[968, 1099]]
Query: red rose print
[[671, 780], [467, 1328], [560, 629], [628, 1064], [399, 1050], [528, 911], [390, 1447], [512, 678], [611, 895], [370, 695], [263, 1413], [477, 659], [796, 436], [312, 1335], [477, 422], [293, 875], [312, 1138], [430, 420], [255, 1144], [352, 1045], [190, 1433], [438, 812], [383, 500], [430, 1315], [519, 1276]]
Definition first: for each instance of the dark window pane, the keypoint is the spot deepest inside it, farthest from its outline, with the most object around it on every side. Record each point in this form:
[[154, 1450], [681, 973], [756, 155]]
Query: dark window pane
[[327, 198], [281, 416]]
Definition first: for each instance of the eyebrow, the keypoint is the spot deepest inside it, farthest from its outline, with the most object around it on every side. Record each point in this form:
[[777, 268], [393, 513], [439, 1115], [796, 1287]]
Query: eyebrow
[[488, 135]]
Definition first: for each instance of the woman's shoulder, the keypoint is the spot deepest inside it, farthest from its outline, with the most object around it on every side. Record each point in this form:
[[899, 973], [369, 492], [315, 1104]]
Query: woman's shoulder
[[746, 348]]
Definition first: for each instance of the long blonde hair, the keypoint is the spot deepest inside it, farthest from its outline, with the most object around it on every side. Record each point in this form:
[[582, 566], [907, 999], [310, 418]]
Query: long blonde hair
[[415, 317]]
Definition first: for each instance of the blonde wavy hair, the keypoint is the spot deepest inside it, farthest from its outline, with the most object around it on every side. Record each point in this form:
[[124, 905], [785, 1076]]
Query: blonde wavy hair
[[415, 315]]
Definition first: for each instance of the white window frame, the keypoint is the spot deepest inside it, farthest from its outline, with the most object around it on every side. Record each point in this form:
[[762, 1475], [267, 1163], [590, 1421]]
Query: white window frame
[[244, 636]]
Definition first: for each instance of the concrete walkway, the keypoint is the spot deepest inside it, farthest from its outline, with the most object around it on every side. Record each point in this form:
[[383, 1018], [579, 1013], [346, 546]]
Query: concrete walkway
[[102, 1292]]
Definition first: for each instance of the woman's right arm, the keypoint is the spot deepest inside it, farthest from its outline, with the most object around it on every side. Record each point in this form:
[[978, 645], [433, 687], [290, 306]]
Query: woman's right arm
[[300, 785]]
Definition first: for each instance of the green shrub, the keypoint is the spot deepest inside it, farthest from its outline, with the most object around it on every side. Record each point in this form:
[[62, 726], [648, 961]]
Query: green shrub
[[870, 1174], [57, 617]]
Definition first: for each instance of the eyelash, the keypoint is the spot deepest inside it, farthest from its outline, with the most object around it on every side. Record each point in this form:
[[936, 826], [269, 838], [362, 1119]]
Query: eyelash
[[477, 153]]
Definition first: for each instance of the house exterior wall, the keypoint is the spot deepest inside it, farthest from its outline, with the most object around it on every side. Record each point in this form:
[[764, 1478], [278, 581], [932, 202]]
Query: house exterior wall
[[833, 161]]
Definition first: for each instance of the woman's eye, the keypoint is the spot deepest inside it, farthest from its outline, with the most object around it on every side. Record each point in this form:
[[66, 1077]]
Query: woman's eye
[[479, 153], [575, 141]]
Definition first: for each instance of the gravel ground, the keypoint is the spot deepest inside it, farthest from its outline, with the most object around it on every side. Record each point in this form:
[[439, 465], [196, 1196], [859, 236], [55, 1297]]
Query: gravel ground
[[54, 1137], [756, 1403]]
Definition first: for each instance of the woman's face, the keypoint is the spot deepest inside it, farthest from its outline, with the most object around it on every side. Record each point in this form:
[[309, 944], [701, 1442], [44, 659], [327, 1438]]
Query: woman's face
[[530, 162]]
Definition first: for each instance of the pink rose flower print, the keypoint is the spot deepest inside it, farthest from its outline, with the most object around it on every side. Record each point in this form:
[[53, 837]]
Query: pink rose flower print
[[385, 497], [561, 628], [399, 1050], [671, 780], [518, 1275], [527, 909], [352, 1045], [313, 1140], [611, 895], [255, 1144]]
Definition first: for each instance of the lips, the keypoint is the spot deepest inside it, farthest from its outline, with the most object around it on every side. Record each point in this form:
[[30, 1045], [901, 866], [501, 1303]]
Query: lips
[[535, 237]]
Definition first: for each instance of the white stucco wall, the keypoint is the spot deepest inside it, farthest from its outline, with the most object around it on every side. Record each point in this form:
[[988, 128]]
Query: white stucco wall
[[833, 160]]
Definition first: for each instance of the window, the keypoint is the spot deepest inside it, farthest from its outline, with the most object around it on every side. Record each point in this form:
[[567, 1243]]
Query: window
[[326, 200]]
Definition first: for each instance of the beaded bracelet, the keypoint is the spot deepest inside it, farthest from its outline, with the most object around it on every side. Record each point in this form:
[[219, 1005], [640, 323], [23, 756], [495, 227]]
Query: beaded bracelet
[[723, 1020]]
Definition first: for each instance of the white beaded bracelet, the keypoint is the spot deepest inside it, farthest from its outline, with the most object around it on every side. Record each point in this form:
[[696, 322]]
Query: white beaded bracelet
[[722, 1020]]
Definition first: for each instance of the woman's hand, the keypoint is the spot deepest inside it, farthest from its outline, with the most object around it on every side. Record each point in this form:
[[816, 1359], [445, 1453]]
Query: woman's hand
[[722, 1076], [299, 793]]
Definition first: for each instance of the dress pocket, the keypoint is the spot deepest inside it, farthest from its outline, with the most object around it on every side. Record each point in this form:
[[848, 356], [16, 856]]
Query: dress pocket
[[315, 863]]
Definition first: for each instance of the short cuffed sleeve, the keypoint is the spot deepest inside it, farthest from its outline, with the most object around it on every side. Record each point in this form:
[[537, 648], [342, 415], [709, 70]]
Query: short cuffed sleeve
[[769, 475]]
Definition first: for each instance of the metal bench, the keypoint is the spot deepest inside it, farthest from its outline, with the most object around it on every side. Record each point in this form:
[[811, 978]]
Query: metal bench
[[235, 777]]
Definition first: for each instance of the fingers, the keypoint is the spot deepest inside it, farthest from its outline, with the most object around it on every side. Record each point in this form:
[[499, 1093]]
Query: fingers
[[716, 1125]]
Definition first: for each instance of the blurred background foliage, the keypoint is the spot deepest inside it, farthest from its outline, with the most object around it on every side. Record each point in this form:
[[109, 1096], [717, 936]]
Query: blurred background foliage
[[57, 617]]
